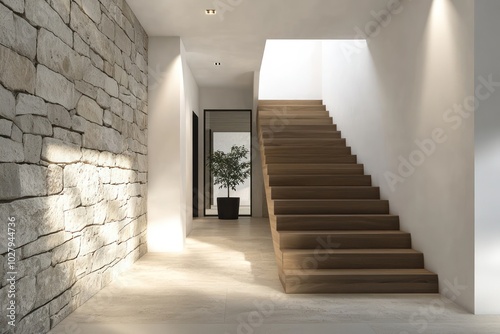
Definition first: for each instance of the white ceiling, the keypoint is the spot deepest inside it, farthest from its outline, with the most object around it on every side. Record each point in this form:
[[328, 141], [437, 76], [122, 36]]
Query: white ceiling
[[236, 36]]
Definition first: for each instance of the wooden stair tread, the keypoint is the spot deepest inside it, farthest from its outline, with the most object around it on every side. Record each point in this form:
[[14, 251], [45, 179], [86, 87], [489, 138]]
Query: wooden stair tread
[[344, 222], [350, 251], [313, 140], [285, 142], [307, 151], [312, 169], [320, 179], [323, 192], [296, 104], [287, 128], [312, 154], [359, 216], [311, 159], [329, 206], [352, 259], [326, 200], [329, 232], [293, 112], [293, 147], [295, 116], [290, 102], [357, 272], [313, 165], [322, 187], [325, 175], [329, 218], [300, 131], [343, 239], [273, 121]]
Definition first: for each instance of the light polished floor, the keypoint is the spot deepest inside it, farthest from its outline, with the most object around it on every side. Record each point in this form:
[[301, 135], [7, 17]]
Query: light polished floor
[[225, 282]]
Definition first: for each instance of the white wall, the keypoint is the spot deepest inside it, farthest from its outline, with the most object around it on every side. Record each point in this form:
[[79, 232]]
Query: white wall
[[398, 92], [259, 203], [172, 95], [291, 68], [191, 103], [487, 158], [225, 98]]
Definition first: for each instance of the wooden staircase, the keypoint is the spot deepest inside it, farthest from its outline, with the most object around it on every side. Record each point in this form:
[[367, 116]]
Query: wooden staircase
[[331, 231]]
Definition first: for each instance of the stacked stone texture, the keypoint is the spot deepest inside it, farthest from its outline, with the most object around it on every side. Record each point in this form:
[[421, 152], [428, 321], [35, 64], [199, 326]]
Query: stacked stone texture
[[73, 154]]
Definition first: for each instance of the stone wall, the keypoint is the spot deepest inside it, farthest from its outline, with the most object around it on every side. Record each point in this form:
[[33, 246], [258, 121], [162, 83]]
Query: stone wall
[[73, 154]]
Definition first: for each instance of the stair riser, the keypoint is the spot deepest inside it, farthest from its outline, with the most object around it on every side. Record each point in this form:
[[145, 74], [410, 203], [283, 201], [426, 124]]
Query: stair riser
[[306, 225], [292, 115], [300, 109], [347, 159], [315, 170], [290, 128], [285, 122], [354, 261], [340, 180], [319, 207], [304, 142], [299, 135], [367, 241], [321, 193], [290, 102], [307, 151], [336, 223], [397, 284]]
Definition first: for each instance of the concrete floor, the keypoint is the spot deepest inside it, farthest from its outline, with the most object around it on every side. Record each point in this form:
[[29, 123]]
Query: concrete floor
[[225, 282]]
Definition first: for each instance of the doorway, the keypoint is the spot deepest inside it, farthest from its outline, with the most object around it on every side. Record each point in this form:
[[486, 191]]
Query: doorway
[[195, 164], [222, 130]]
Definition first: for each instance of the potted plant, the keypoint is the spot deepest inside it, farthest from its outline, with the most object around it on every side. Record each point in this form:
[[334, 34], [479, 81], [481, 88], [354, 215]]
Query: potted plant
[[228, 171]]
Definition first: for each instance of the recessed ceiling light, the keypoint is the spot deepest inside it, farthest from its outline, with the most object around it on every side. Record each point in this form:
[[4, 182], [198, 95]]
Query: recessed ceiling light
[[210, 11], [217, 63]]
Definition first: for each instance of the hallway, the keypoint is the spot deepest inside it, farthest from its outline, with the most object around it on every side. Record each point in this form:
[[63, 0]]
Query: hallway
[[226, 282]]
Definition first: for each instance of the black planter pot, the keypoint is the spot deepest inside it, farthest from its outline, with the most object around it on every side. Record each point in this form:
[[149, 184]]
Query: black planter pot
[[228, 207]]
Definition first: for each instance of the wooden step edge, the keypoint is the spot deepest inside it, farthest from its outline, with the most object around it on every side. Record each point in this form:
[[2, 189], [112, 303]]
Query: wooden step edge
[[337, 222], [298, 105], [311, 180], [324, 187], [289, 102], [298, 127], [295, 115], [363, 176], [303, 131], [306, 145], [357, 272], [325, 201], [316, 165], [378, 251], [313, 171], [292, 147], [305, 160], [305, 216], [344, 232], [307, 140], [292, 113]]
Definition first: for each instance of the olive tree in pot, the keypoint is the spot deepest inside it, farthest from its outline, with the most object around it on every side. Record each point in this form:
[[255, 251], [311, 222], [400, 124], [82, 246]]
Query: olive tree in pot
[[229, 170]]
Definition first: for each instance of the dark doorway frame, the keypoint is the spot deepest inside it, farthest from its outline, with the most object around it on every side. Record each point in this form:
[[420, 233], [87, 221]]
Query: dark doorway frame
[[195, 164], [205, 157]]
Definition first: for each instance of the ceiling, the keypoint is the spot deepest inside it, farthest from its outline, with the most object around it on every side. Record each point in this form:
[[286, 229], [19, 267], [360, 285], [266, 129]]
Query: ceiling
[[237, 34]]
